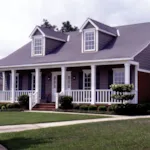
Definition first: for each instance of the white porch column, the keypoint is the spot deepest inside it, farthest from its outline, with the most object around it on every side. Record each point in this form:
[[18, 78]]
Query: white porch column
[[127, 73], [13, 84], [136, 84], [37, 82], [4, 80], [93, 84], [63, 79]]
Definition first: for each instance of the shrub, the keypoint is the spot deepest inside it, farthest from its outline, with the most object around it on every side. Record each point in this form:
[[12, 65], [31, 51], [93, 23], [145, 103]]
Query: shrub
[[76, 106], [3, 107], [84, 107], [24, 101], [66, 102], [13, 105], [102, 108], [122, 92], [92, 107]]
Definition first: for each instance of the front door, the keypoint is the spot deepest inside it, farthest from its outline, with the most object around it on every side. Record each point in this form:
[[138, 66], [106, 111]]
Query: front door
[[56, 83]]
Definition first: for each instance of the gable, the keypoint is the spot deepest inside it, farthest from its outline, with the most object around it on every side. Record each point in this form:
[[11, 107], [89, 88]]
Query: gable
[[37, 32], [88, 26]]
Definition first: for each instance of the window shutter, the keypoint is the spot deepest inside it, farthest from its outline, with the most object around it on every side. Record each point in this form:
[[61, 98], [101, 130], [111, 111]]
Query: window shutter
[[29, 81], [43, 86], [20, 81], [97, 79], [8, 81], [80, 80], [110, 78]]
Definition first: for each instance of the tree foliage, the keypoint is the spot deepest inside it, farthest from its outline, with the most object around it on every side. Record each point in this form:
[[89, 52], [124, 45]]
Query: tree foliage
[[66, 26]]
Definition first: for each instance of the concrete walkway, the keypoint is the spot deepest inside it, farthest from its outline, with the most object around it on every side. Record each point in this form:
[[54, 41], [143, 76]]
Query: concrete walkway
[[17, 128]]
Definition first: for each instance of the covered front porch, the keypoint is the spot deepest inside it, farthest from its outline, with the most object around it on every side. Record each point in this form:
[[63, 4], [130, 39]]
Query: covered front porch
[[85, 83]]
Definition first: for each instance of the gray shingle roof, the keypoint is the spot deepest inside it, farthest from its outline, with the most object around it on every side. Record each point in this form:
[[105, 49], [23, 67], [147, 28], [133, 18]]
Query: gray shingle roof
[[52, 33], [132, 39], [105, 27]]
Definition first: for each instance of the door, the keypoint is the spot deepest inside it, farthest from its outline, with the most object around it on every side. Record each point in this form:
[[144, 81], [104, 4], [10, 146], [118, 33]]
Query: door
[[56, 83]]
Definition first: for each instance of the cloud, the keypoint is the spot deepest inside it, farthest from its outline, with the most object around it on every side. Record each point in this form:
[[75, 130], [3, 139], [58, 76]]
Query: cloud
[[18, 17]]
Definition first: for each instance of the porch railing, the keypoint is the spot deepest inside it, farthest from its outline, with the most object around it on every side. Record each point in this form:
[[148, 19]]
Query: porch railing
[[103, 96], [33, 99], [22, 92], [80, 96], [5, 96]]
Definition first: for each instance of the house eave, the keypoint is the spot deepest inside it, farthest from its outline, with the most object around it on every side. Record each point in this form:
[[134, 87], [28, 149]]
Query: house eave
[[70, 63]]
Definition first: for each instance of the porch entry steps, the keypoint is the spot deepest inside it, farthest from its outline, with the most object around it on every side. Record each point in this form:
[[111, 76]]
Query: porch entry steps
[[44, 106]]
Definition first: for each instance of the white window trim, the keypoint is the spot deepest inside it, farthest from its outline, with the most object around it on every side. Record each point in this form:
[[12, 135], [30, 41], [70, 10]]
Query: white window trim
[[84, 41], [43, 45], [85, 72], [117, 69]]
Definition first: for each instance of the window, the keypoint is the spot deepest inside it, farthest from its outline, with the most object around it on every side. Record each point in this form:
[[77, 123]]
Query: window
[[87, 80], [89, 40], [17, 81], [118, 76], [38, 46]]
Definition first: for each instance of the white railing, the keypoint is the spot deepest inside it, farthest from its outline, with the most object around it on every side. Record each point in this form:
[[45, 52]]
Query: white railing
[[79, 96], [22, 92], [33, 99], [5, 96], [103, 96]]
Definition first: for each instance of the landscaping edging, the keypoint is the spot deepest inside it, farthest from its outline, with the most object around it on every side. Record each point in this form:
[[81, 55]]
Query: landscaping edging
[[2, 147]]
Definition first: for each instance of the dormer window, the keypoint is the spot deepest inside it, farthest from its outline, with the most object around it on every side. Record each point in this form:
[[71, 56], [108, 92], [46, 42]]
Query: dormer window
[[89, 40], [38, 45]]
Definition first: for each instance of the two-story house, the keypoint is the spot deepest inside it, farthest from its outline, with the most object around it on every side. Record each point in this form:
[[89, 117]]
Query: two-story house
[[82, 64]]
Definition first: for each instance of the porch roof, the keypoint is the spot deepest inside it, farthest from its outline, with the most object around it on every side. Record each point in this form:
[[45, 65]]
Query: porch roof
[[132, 39]]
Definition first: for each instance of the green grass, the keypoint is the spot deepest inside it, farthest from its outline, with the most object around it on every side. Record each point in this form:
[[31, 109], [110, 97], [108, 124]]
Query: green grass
[[117, 135], [12, 118]]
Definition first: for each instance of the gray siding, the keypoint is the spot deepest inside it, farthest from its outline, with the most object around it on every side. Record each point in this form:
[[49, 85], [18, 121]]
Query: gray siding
[[104, 40], [88, 26], [103, 78], [75, 82], [144, 58], [37, 32], [52, 45]]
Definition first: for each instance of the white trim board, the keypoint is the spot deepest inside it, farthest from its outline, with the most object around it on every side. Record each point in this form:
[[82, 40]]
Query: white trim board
[[97, 28], [69, 63], [144, 70]]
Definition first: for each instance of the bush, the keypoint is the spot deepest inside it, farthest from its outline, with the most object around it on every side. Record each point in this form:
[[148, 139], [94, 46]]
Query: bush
[[76, 106], [3, 107], [122, 87], [24, 101], [92, 107], [65, 102], [102, 108], [13, 105], [84, 107]]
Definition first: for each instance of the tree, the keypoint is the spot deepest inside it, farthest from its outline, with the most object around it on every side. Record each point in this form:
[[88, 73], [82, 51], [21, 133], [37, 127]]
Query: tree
[[67, 27], [122, 92], [46, 24]]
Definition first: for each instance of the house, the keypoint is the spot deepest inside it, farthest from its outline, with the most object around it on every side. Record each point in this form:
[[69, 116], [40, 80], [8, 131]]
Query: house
[[82, 64]]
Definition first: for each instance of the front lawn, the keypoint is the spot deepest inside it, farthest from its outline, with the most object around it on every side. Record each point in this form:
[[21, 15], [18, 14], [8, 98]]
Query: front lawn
[[13, 118], [117, 135]]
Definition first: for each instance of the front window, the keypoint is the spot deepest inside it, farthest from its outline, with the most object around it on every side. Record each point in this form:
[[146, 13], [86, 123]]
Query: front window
[[87, 80], [118, 76], [38, 46], [89, 40]]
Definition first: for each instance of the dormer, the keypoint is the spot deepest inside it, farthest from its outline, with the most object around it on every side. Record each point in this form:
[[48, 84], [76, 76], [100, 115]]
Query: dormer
[[95, 35], [45, 40]]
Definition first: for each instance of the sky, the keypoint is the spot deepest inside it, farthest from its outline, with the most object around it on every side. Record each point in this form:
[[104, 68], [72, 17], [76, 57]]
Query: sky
[[19, 17]]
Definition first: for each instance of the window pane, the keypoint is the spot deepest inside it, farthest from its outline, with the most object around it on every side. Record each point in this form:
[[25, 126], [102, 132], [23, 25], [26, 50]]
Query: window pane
[[89, 41]]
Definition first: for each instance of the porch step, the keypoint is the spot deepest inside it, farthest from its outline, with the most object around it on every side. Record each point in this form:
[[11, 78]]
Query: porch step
[[44, 106]]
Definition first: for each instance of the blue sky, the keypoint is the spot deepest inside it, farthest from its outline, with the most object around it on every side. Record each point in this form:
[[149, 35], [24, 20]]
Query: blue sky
[[19, 17]]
